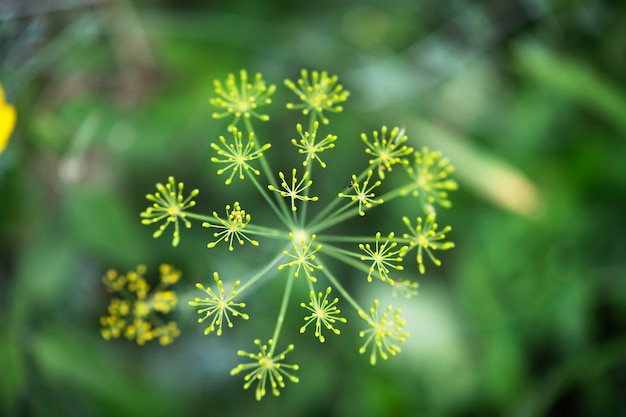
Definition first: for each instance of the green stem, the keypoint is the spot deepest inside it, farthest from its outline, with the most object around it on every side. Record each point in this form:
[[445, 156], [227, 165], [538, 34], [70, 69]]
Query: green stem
[[399, 192], [334, 219], [349, 258], [272, 264], [202, 217], [349, 239], [268, 172], [267, 232], [335, 282], [330, 207], [282, 214], [283, 309], [309, 170]]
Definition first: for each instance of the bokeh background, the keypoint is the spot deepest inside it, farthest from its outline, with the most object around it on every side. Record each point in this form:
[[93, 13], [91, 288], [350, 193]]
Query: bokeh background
[[527, 315]]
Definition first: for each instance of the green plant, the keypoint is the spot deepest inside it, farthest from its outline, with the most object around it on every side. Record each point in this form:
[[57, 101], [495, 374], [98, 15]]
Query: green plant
[[308, 240]]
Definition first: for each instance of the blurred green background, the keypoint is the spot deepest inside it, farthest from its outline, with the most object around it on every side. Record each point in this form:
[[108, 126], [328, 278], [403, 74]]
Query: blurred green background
[[527, 315]]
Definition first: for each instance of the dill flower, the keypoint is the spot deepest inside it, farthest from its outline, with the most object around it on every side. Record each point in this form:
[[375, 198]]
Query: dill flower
[[323, 313], [218, 305], [385, 331], [242, 154], [243, 98], [386, 151], [426, 238], [403, 287], [317, 93], [169, 275], [236, 156], [294, 191], [167, 333], [383, 257], [308, 146], [362, 193], [303, 257], [8, 116], [266, 366], [169, 205], [138, 314], [232, 227], [430, 172]]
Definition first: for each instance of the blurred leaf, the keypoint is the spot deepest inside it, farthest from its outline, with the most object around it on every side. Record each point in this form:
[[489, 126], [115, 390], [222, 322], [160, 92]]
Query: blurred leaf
[[84, 365], [12, 372], [44, 270], [575, 80], [489, 176], [102, 222]]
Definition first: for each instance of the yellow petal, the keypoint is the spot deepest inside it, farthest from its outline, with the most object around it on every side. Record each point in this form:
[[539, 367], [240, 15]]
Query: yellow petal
[[7, 123]]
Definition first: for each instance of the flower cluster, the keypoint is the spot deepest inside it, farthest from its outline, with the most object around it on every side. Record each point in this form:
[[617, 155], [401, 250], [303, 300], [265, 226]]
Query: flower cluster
[[231, 227], [138, 315], [323, 313], [169, 205], [384, 333], [317, 93], [243, 98], [218, 305], [266, 366], [236, 156], [387, 152], [430, 175], [302, 231]]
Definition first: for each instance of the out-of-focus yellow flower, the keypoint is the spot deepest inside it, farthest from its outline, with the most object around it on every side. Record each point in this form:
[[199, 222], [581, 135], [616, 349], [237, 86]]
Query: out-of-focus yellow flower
[[7, 121]]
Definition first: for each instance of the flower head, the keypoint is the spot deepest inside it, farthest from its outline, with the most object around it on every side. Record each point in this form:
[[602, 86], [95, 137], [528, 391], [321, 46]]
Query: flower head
[[304, 256], [323, 312], [169, 205], [231, 227], [386, 151], [295, 190], [7, 121], [430, 172], [383, 257], [236, 156], [218, 305], [426, 238], [242, 99], [404, 287], [385, 331], [138, 314], [266, 366], [167, 333], [318, 93], [308, 146], [362, 193]]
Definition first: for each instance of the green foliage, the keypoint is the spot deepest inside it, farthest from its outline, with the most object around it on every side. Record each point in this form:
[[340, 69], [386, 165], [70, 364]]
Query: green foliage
[[526, 315]]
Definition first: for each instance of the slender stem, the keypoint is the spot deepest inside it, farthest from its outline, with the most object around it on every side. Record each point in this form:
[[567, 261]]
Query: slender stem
[[346, 257], [324, 213], [348, 239], [203, 217], [333, 220], [271, 265], [309, 170], [335, 282], [283, 309], [268, 172], [267, 232], [399, 192], [282, 215]]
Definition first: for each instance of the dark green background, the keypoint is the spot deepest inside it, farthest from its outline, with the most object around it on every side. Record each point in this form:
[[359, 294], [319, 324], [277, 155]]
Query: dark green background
[[526, 317]]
